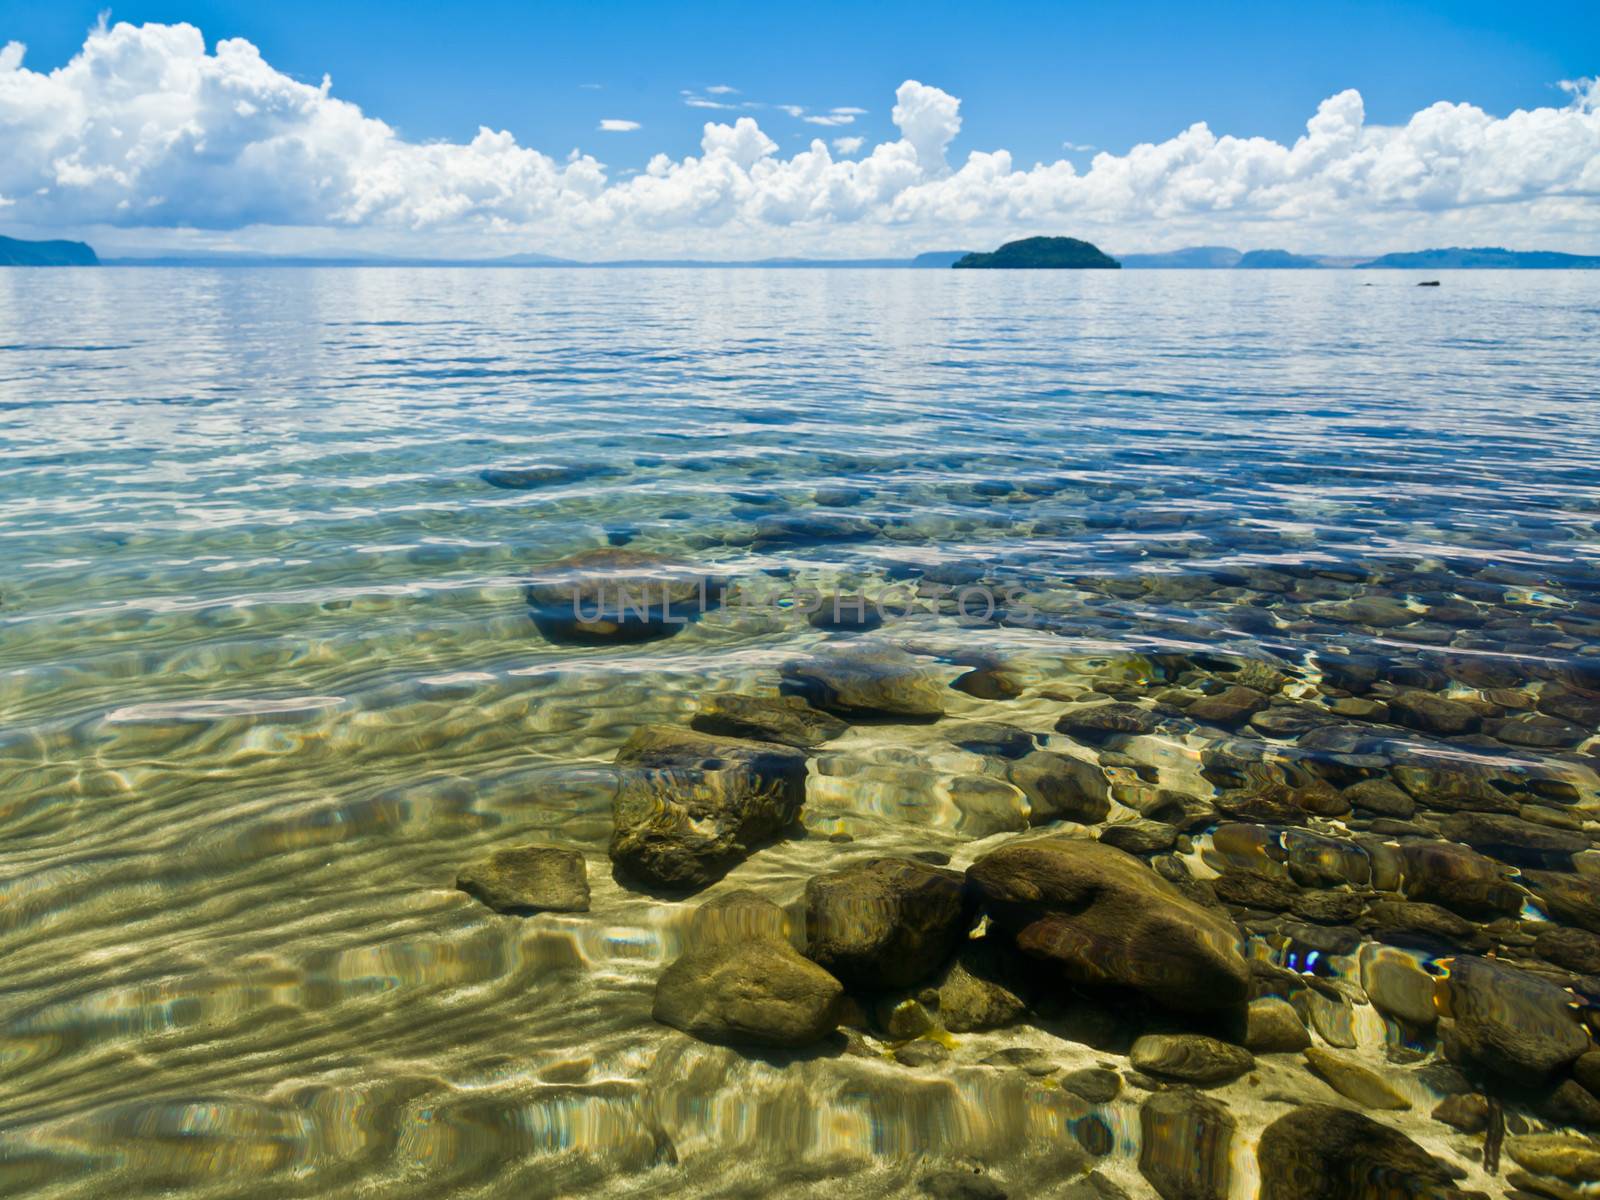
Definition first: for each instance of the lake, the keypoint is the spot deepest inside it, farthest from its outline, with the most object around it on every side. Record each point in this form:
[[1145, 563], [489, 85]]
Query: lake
[[270, 677]]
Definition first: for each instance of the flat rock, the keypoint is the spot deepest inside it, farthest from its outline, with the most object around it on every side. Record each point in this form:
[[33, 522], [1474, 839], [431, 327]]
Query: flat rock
[[1190, 1057], [1101, 916], [690, 805], [1320, 1152], [867, 681], [740, 983], [528, 879], [886, 922], [786, 720], [1509, 1023], [1352, 1080], [1185, 1145]]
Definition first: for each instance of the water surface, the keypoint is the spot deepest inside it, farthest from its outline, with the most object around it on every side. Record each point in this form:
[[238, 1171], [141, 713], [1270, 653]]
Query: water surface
[[267, 678]]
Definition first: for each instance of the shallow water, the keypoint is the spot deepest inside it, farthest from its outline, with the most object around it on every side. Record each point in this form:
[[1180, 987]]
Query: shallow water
[[267, 678]]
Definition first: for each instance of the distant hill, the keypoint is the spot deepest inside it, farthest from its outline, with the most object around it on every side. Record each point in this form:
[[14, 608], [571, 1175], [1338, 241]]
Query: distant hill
[[1485, 256], [1269, 260], [937, 258], [15, 252], [1194, 257], [1041, 253]]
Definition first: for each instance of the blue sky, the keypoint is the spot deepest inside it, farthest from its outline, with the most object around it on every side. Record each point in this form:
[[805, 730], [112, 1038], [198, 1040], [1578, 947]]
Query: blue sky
[[1031, 75], [1416, 104]]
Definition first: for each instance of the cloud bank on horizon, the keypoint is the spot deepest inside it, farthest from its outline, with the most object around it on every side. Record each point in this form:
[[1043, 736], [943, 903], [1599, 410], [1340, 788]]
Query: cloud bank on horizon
[[147, 133]]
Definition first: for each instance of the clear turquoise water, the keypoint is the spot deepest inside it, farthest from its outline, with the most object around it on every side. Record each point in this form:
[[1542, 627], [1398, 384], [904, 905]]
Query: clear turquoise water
[[267, 679]]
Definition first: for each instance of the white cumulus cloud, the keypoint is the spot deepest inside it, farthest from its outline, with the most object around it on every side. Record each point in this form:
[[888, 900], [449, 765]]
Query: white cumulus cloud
[[617, 125], [148, 134]]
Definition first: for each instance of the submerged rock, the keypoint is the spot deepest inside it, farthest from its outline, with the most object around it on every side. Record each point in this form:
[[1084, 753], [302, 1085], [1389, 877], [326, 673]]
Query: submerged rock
[[521, 479], [1185, 1145], [1432, 714], [1061, 788], [1513, 840], [787, 720], [691, 805], [886, 922], [1101, 916], [1352, 1080], [867, 681], [1571, 898], [1232, 706], [1190, 1057], [1558, 1155], [1458, 878], [1272, 1026], [528, 879], [740, 982], [1509, 1023], [974, 992], [619, 595], [1320, 1152], [1101, 721]]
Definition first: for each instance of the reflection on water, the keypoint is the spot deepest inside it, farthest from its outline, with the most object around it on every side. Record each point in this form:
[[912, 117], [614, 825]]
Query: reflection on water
[[269, 677]]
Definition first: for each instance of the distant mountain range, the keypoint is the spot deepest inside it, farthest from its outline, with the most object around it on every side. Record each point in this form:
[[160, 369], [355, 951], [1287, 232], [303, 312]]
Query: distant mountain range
[[932, 259], [16, 252]]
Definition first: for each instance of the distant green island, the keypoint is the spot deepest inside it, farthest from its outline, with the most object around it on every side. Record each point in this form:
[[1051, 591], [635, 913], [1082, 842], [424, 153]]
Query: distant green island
[[1040, 253], [15, 252]]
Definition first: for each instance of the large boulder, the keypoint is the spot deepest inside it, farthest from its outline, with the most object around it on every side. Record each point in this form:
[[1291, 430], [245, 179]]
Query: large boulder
[[867, 681], [886, 922], [618, 595], [528, 879], [1509, 1023], [690, 806], [1320, 1152], [1101, 916], [741, 982]]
